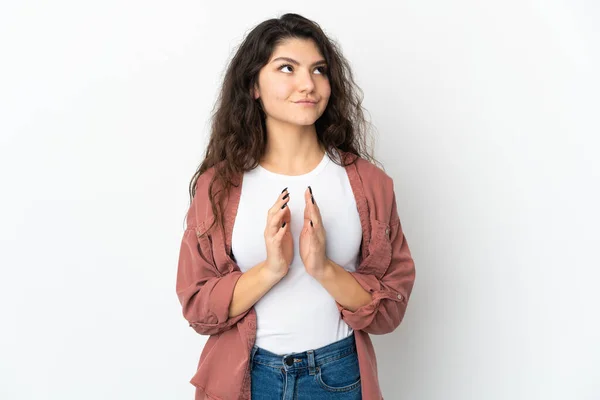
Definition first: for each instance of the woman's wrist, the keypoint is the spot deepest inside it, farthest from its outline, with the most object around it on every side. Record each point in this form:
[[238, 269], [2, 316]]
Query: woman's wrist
[[268, 275], [327, 272]]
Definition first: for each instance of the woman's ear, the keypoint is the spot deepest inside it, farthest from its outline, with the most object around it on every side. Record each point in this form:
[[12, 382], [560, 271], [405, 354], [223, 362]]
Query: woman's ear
[[256, 93]]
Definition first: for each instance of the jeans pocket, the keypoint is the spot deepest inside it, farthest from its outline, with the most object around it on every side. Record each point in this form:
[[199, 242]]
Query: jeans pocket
[[341, 375]]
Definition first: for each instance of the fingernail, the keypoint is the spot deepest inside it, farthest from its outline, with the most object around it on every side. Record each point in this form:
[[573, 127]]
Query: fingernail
[[312, 199], [283, 206], [283, 226], [311, 224], [310, 190], [283, 190], [286, 196]]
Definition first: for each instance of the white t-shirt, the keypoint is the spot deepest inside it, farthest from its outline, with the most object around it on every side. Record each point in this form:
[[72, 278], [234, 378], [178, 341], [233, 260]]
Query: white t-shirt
[[298, 313]]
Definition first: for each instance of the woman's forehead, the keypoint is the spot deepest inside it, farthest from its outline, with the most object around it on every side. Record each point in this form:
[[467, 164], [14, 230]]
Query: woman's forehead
[[297, 49]]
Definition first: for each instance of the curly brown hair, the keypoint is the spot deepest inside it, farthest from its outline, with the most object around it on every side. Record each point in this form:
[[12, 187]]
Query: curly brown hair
[[238, 133]]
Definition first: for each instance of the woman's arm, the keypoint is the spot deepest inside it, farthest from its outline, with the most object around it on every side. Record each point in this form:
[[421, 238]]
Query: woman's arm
[[251, 287], [390, 293], [204, 294], [342, 286]]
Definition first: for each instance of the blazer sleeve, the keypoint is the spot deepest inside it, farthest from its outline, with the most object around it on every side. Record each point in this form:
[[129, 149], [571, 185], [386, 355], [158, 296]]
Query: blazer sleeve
[[203, 292], [391, 292]]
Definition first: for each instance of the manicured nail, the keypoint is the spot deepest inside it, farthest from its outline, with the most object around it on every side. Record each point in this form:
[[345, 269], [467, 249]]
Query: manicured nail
[[310, 190], [286, 196], [283, 226], [283, 190], [311, 224], [312, 199], [283, 206]]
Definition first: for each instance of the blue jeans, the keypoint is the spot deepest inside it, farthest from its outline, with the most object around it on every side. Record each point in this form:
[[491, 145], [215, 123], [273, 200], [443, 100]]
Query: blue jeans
[[330, 372]]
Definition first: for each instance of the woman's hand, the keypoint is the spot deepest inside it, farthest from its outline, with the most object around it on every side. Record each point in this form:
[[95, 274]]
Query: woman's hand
[[278, 238], [312, 238]]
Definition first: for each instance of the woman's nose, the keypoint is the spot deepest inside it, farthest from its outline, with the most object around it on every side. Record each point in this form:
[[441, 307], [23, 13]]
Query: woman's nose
[[306, 82]]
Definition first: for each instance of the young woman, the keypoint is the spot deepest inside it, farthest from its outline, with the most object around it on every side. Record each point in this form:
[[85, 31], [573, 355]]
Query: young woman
[[293, 251]]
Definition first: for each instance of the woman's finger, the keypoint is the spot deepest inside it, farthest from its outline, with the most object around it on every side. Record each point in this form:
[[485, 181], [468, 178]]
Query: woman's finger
[[278, 212], [282, 230], [311, 209]]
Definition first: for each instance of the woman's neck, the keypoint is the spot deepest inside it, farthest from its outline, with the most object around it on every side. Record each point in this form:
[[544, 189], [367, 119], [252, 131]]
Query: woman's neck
[[293, 152]]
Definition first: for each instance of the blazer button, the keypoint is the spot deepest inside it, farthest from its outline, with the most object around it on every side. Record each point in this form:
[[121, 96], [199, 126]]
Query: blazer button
[[400, 296], [387, 232]]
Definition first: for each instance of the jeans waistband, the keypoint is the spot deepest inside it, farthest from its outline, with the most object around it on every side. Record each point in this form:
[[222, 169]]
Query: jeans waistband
[[307, 359]]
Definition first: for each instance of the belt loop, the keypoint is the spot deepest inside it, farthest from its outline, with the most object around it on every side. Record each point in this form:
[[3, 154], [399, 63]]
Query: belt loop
[[311, 362], [252, 353]]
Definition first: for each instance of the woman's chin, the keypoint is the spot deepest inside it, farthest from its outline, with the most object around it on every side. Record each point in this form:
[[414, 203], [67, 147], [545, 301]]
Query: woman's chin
[[304, 121]]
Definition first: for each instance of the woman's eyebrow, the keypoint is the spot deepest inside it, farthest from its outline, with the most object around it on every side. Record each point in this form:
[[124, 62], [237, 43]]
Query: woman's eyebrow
[[291, 60]]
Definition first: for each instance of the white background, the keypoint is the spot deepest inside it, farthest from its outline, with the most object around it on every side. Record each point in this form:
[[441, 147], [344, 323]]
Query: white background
[[487, 119]]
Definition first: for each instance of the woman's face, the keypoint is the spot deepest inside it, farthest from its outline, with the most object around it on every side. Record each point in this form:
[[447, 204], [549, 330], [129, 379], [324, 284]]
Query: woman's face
[[296, 71]]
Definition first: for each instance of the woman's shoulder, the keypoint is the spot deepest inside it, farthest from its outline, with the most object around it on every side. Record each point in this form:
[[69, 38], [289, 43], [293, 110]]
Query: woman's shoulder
[[201, 208], [205, 179], [369, 172]]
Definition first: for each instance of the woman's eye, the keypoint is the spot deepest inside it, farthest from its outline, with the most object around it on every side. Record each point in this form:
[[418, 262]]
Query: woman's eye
[[322, 69]]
